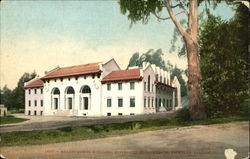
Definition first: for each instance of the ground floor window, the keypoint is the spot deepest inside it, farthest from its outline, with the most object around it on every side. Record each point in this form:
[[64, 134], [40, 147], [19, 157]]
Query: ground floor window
[[70, 102], [109, 102], [29, 112], [120, 102], [41, 113], [108, 114], [34, 112], [132, 102], [132, 113], [56, 103], [86, 103], [119, 113]]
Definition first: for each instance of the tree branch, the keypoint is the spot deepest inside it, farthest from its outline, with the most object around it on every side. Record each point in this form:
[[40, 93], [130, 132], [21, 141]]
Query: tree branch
[[176, 22], [166, 18]]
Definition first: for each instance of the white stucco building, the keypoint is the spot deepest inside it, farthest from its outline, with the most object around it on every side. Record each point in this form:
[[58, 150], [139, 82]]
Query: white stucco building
[[102, 89]]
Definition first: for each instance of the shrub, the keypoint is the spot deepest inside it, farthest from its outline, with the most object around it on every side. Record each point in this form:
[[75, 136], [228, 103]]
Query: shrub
[[183, 114]]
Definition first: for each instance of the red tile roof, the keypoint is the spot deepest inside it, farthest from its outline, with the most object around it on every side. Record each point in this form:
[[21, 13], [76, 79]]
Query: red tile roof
[[74, 70], [34, 84], [163, 84], [123, 75]]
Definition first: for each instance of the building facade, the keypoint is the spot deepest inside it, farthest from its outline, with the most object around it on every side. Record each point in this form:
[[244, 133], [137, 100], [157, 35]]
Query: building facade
[[102, 89]]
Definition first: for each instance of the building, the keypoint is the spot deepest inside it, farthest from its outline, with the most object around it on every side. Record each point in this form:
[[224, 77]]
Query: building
[[3, 110], [102, 89]]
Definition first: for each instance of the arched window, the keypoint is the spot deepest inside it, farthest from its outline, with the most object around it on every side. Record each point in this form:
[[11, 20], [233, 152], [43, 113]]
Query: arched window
[[149, 84], [86, 89], [55, 91], [55, 98], [70, 90]]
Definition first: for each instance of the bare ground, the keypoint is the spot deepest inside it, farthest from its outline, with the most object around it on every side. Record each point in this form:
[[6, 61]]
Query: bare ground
[[196, 142]]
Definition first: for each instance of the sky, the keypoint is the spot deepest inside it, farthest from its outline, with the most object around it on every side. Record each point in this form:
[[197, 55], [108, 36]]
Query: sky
[[40, 35]]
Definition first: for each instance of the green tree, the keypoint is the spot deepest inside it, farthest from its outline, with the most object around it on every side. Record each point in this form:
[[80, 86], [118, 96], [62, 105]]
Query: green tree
[[18, 92], [179, 74], [140, 10], [6, 96], [14, 99], [224, 53]]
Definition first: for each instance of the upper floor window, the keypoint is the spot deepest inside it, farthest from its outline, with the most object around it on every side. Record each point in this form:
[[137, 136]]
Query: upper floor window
[[41, 103], [108, 86], [152, 87], [41, 91], [132, 102], [132, 85], [109, 102], [119, 86], [156, 77], [160, 78], [35, 103], [120, 102], [164, 80], [149, 84], [29, 91], [29, 103], [35, 91]]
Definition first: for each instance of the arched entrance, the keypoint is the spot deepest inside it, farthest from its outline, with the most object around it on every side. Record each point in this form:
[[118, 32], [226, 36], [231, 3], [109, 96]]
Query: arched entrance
[[69, 97], [85, 96], [55, 98]]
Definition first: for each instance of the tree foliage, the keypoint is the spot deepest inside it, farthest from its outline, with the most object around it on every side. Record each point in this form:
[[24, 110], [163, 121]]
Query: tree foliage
[[14, 99], [156, 57], [224, 52]]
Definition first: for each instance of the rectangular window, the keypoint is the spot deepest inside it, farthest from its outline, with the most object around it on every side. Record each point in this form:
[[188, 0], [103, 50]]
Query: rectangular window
[[34, 112], [29, 103], [156, 77], [119, 113], [132, 113], [41, 103], [167, 102], [148, 101], [145, 85], [41, 113], [145, 102], [119, 86], [132, 85], [109, 102], [120, 102], [35, 91], [152, 104], [152, 87], [35, 103], [132, 102], [70, 102], [41, 91], [108, 86], [108, 114], [29, 91]]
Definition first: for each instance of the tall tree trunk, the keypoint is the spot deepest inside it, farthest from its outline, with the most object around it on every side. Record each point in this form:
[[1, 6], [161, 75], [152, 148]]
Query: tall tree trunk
[[197, 109]]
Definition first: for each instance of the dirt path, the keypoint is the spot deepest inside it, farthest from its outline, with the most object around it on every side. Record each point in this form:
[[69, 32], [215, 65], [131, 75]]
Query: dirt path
[[53, 122], [197, 142]]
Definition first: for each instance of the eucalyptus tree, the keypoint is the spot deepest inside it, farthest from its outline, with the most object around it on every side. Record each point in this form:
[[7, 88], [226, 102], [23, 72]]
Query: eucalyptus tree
[[141, 10]]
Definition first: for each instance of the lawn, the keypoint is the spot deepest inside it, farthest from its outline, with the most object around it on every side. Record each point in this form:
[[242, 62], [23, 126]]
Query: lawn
[[11, 119], [99, 131]]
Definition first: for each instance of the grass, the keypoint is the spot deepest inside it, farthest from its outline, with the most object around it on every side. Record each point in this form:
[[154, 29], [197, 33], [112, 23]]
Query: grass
[[99, 131], [10, 119]]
